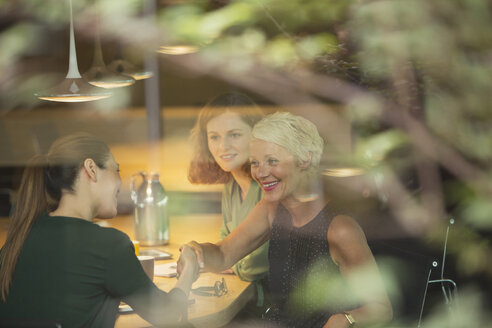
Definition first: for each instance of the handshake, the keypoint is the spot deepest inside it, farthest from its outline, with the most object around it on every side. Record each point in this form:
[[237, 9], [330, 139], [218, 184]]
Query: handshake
[[190, 261]]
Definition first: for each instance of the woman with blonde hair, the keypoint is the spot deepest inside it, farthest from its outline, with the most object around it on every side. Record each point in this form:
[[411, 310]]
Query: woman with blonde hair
[[56, 264], [220, 139], [322, 272]]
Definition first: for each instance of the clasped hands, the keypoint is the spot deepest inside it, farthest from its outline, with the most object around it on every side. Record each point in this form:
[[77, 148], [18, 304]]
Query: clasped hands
[[190, 260]]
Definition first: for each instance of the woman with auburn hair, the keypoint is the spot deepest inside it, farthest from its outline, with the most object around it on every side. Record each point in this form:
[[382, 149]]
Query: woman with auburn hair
[[322, 272], [57, 264], [220, 139]]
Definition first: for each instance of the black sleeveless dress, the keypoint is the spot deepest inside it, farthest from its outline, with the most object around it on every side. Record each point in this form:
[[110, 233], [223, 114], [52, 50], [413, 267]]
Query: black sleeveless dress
[[305, 284]]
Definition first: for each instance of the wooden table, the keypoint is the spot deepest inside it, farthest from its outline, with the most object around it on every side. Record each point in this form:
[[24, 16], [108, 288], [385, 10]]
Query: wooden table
[[206, 311]]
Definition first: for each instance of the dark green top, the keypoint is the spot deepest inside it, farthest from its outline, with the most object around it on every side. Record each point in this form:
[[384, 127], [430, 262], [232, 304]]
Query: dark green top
[[77, 272]]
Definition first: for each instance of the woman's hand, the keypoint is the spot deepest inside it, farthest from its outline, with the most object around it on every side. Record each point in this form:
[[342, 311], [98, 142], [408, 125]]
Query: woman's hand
[[197, 248], [188, 263]]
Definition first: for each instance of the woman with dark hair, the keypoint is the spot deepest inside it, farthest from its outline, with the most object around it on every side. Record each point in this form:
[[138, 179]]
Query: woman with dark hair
[[57, 264], [221, 146]]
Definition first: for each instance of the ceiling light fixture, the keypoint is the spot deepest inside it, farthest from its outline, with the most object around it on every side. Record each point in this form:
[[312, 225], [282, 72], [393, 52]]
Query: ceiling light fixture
[[99, 75], [122, 66], [74, 88], [178, 49], [343, 172]]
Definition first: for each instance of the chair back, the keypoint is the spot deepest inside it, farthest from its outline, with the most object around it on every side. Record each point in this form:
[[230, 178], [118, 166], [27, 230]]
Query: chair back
[[406, 270], [448, 287]]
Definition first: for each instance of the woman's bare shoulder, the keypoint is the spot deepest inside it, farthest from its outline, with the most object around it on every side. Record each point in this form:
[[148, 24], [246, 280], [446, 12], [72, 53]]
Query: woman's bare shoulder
[[344, 229]]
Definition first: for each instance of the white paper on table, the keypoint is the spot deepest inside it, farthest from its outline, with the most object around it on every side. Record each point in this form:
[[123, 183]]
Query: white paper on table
[[165, 270]]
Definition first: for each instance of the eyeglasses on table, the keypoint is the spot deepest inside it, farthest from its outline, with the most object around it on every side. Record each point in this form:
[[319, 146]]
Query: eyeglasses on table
[[218, 289]]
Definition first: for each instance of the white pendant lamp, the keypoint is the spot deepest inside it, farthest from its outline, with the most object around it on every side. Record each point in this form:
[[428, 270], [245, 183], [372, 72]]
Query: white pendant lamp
[[121, 66], [74, 88], [178, 49], [100, 76], [343, 172]]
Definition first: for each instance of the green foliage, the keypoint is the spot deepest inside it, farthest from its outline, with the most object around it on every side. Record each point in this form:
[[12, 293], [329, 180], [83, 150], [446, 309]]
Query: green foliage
[[13, 41], [48, 11], [295, 15], [314, 46], [191, 22], [375, 148], [427, 60], [279, 52], [324, 289], [477, 212]]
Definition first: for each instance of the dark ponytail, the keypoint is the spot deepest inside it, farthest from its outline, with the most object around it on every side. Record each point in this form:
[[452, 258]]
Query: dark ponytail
[[32, 194], [44, 180]]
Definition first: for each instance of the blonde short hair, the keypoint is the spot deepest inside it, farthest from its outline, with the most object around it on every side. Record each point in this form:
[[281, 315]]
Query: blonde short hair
[[295, 133]]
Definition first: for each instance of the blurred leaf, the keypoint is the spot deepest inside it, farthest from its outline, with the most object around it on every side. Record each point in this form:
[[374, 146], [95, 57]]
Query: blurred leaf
[[279, 52], [14, 42], [119, 10], [235, 14], [375, 148], [292, 15], [181, 21], [363, 110], [478, 212], [240, 48], [473, 257], [22, 89], [324, 289], [315, 45], [51, 11], [193, 23]]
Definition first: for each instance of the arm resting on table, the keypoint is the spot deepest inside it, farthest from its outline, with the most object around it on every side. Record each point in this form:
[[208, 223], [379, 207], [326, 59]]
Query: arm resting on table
[[158, 307]]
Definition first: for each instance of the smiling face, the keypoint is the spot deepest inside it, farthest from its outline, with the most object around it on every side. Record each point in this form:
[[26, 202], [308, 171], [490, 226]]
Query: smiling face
[[275, 169], [109, 182], [228, 141]]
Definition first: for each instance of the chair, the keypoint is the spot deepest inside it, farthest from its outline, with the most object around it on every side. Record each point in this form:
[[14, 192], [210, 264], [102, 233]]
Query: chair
[[406, 270], [449, 288]]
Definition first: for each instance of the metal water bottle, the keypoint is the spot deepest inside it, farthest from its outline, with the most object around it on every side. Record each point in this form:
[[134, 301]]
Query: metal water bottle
[[150, 213]]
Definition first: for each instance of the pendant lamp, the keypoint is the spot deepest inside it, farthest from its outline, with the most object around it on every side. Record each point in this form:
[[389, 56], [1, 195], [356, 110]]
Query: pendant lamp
[[183, 46], [178, 49], [121, 66], [74, 88], [343, 172], [100, 76]]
